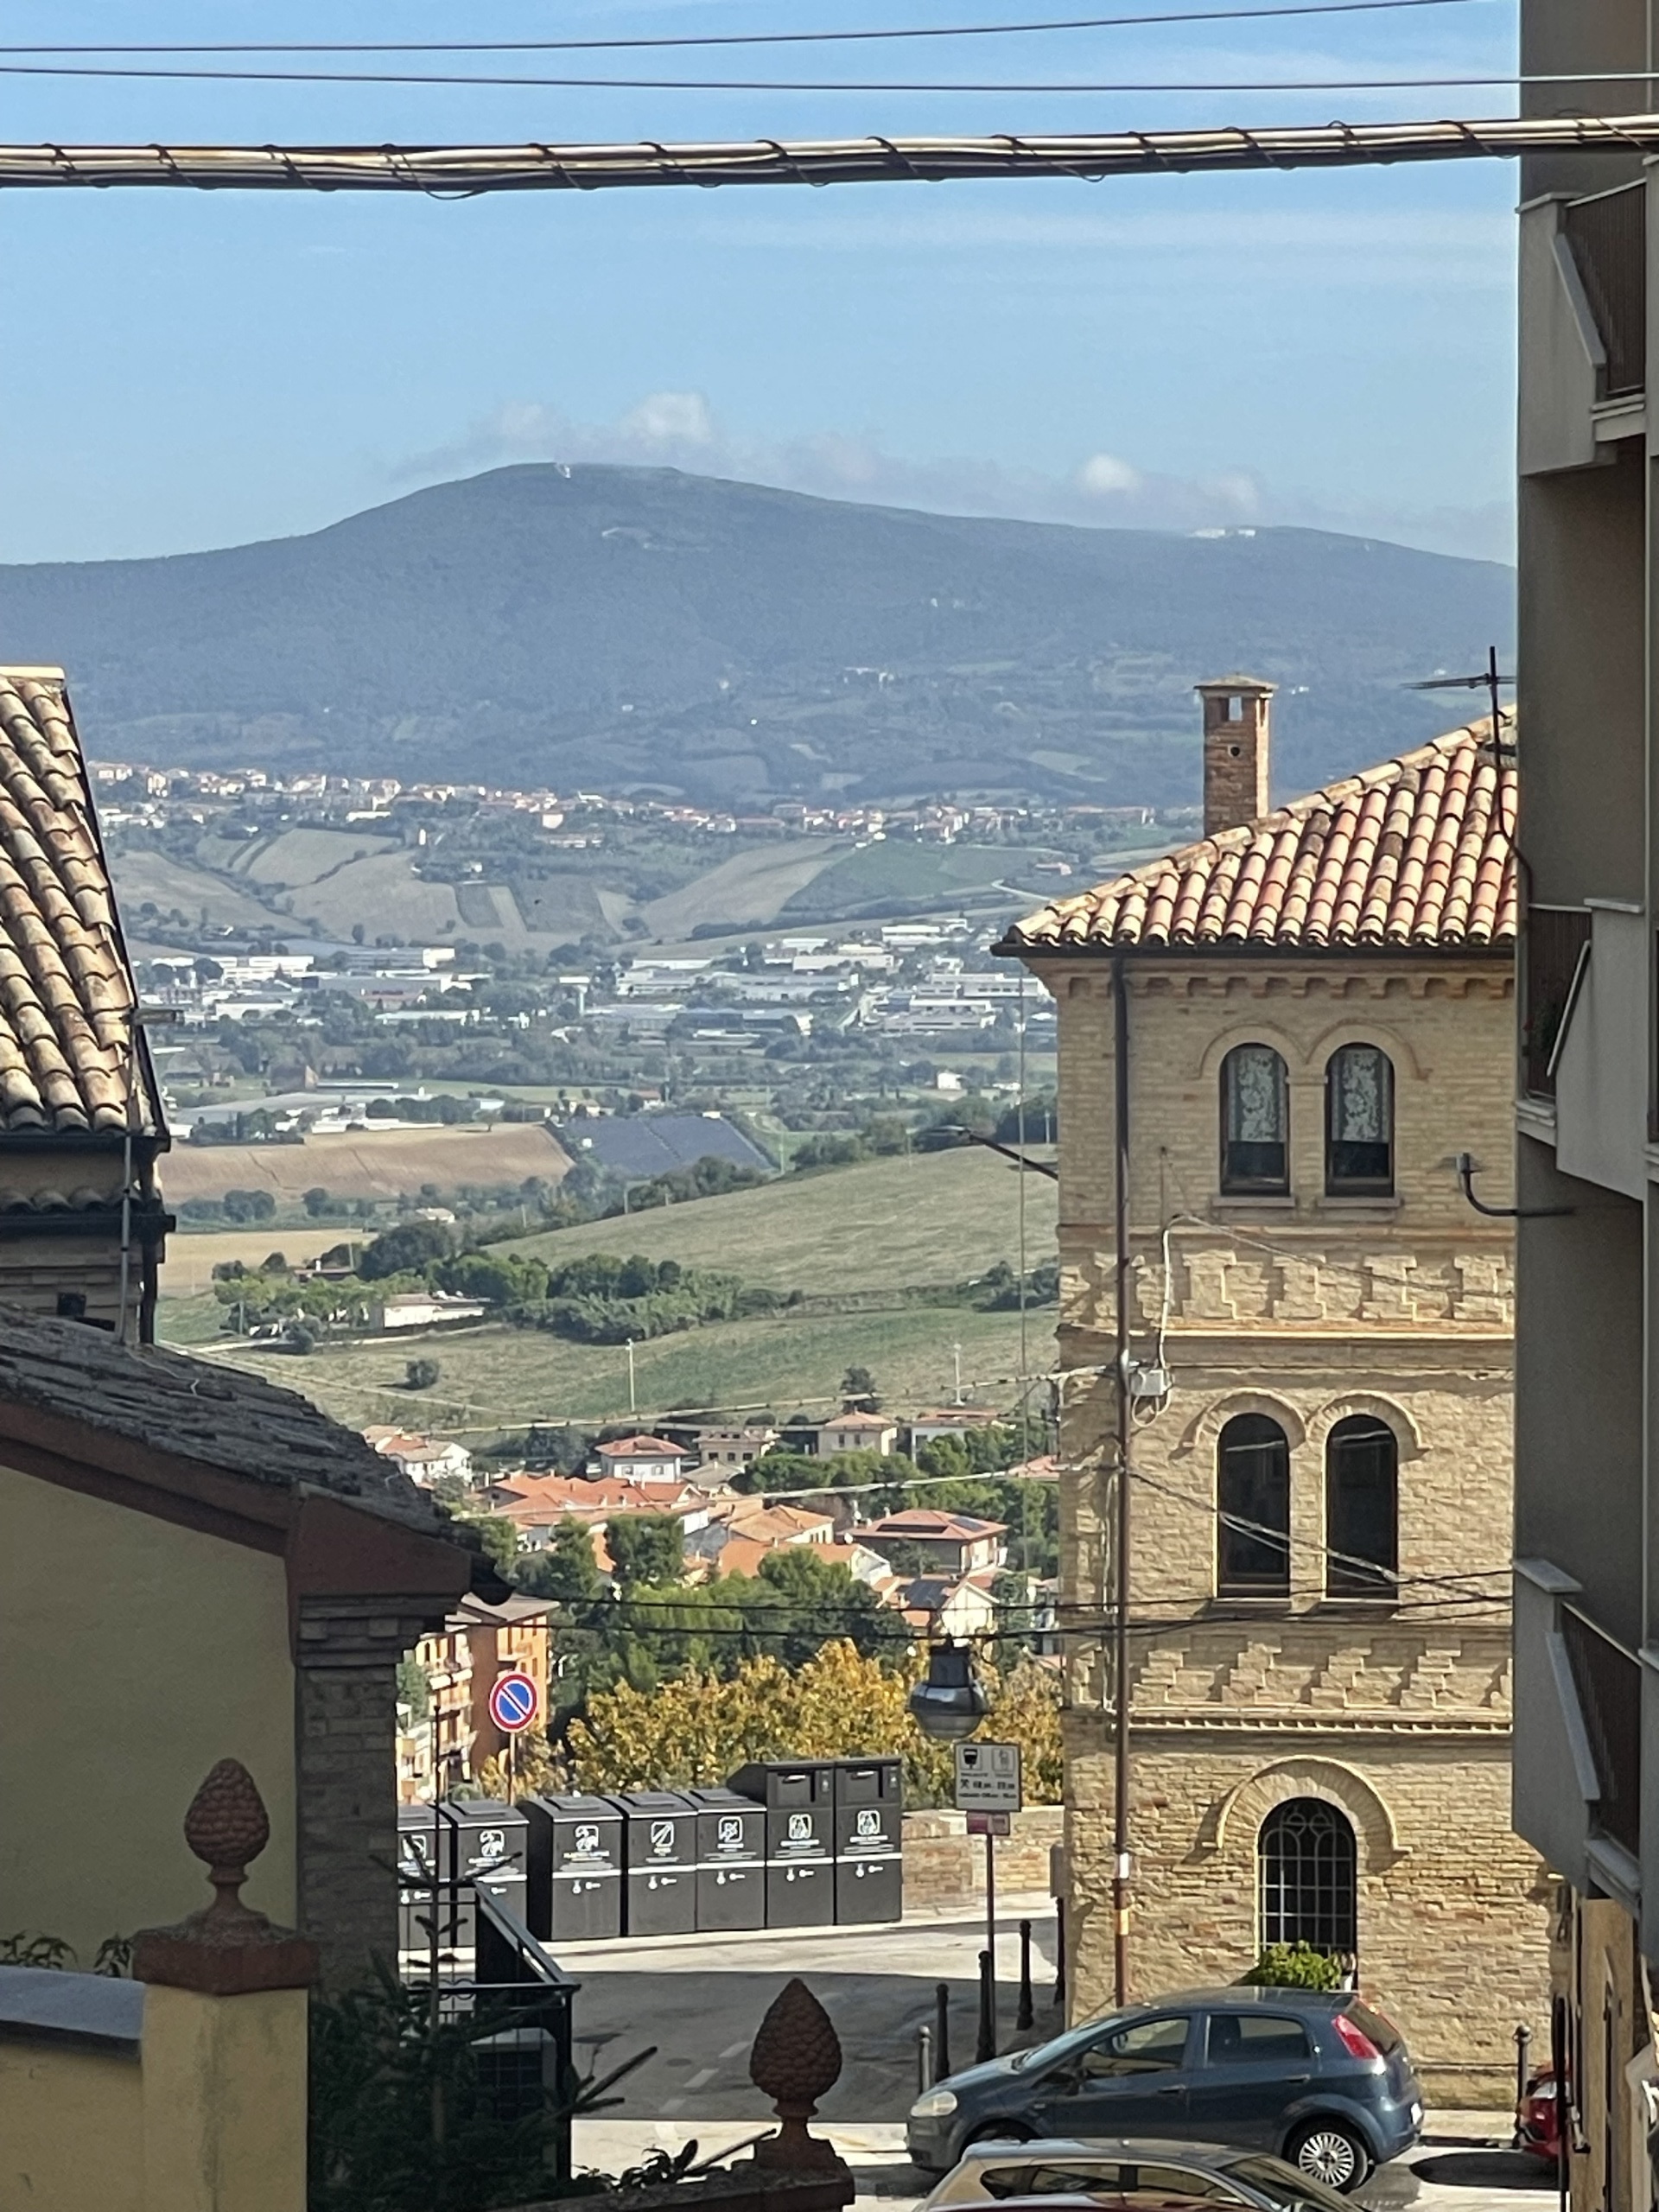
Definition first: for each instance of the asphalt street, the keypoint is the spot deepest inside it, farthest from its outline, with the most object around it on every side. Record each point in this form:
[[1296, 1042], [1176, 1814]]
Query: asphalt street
[[699, 2001]]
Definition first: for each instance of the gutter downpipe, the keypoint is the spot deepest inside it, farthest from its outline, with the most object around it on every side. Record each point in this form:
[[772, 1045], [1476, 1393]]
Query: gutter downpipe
[[1121, 1863]]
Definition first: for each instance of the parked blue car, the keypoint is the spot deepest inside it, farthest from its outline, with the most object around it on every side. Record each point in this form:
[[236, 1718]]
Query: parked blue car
[[1317, 2078]]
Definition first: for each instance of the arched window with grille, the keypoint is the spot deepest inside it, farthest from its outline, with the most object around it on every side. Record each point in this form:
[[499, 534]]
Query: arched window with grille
[[1255, 1122], [1253, 1502], [1362, 1508], [1308, 1866], [1359, 1122]]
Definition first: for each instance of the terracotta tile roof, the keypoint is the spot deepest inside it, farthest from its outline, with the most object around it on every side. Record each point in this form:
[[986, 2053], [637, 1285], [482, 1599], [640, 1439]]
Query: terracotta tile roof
[[1414, 852], [67, 993]]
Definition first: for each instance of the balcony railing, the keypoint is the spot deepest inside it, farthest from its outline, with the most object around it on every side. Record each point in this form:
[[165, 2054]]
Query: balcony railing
[[1555, 946], [1609, 1683], [1607, 234]]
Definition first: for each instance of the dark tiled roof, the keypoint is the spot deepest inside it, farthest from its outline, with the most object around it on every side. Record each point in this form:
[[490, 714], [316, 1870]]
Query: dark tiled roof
[[222, 1417], [67, 993], [1415, 853]]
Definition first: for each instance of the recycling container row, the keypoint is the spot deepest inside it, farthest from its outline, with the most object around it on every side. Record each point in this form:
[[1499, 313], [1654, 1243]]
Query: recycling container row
[[789, 1844]]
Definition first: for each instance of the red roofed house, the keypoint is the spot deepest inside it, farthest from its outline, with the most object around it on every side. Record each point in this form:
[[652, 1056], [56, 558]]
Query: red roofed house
[[1310, 1012], [956, 1543], [856, 1432], [645, 1458]]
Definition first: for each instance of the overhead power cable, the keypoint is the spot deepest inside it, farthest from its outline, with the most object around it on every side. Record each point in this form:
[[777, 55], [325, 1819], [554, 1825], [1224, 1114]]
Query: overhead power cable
[[157, 72], [752, 38], [449, 171]]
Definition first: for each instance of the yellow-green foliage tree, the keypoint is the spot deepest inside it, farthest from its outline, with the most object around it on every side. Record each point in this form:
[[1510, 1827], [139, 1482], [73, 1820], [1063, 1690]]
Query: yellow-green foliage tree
[[695, 1730]]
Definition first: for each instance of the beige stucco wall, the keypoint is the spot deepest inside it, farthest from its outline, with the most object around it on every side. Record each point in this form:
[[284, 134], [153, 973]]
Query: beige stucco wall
[[134, 1653], [1307, 1308], [70, 2130]]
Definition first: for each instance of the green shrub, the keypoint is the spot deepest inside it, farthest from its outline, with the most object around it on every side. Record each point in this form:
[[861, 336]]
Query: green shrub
[[1294, 1965]]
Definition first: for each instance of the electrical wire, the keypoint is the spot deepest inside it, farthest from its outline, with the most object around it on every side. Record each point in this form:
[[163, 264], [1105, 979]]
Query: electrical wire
[[748, 38], [796, 84]]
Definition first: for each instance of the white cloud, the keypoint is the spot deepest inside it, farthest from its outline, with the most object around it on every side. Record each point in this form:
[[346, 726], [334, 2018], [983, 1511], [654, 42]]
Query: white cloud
[[680, 429]]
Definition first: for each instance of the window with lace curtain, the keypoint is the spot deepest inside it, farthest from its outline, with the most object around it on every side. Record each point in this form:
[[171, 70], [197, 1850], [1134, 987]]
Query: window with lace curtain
[[1255, 1122], [1359, 1122]]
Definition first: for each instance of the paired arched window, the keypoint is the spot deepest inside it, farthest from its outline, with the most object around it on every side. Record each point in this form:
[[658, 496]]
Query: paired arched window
[[1253, 1502], [1307, 1862], [1362, 1508], [1254, 1120], [1359, 1122]]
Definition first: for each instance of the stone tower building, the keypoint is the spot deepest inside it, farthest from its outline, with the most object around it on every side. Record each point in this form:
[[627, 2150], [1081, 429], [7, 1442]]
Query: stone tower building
[[1317, 1010]]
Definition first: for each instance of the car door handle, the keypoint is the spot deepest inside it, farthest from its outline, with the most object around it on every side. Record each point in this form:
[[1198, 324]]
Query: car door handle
[[1175, 2089], [1295, 2079]]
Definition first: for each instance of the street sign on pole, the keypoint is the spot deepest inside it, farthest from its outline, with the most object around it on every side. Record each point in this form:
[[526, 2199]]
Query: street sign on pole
[[988, 1778], [991, 1823], [514, 1701]]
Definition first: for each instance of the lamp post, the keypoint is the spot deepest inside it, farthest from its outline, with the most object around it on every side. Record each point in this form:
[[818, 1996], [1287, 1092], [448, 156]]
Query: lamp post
[[950, 1704]]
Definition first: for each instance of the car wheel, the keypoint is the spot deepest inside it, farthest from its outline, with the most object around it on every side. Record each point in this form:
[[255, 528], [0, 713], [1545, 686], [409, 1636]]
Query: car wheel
[[1326, 2150]]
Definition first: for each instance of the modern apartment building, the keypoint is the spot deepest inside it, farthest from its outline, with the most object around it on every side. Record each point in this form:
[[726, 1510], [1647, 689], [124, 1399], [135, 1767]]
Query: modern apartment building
[[1587, 1743]]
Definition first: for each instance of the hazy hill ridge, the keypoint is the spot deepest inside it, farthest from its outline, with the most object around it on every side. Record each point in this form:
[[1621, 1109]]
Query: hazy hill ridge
[[629, 628]]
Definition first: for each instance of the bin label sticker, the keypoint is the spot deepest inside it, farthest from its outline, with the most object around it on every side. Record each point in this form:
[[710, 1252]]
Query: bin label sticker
[[587, 1838], [662, 1837], [800, 1828], [731, 1832], [493, 1843], [869, 1821]]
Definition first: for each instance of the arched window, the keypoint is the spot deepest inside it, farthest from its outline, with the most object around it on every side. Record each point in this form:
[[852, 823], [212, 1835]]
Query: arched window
[[1362, 1508], [1359, 1122], [1254, 1120], [1309, 1869], [1253, 1498]]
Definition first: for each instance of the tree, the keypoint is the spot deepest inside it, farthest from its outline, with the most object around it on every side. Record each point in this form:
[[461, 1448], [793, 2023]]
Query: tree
[[498, 1537], [565, 1570], [407, 1249], [837, 1704], [647, 1548], [421, 1374], [318, 1203], [249, 1205], [858, 1391]]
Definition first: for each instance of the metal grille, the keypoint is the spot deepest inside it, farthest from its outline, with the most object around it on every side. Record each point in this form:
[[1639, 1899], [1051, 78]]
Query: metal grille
[[1609, 1683], [1309, 1877], [1608, 234], [1555, 939]]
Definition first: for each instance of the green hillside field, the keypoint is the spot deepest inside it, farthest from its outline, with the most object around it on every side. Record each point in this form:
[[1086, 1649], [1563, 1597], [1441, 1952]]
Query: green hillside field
[[925, 1219], [500, 1379]]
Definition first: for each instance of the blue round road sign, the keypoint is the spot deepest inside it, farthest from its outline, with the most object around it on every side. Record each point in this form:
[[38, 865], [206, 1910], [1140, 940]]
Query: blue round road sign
[[513, 1700]]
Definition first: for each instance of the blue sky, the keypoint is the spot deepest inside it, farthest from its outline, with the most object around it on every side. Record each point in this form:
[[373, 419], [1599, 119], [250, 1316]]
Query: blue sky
[[187, 370]]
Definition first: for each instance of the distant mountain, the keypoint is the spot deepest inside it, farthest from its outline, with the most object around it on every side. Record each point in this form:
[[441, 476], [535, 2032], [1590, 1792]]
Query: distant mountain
[[642, 629]]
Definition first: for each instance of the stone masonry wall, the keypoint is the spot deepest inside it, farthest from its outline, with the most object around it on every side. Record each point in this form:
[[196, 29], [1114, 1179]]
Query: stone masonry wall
[[1454, 1907], [1307, 1309]]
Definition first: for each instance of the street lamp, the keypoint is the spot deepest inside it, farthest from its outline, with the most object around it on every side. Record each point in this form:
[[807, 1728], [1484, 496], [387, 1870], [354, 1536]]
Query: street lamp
[[950, 1704]]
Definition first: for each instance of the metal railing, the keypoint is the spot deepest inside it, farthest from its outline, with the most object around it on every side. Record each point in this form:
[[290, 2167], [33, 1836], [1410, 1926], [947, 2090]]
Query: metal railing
[[1555, 942], [1607, 234], [524, 1999], [1609, 1683]]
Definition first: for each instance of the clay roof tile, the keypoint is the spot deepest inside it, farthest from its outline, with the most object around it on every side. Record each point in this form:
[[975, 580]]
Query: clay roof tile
[[1418, 851]]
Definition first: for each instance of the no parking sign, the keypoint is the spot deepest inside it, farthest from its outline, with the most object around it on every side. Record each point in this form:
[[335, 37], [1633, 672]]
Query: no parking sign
[[514, 1701]]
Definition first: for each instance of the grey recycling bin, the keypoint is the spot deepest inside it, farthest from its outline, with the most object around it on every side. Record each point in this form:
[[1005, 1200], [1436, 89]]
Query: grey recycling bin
[[869, 1839], [659, 1856], [485, 1847], [419, 1851], [731, 1860], [575, 1868], [798, 1795]]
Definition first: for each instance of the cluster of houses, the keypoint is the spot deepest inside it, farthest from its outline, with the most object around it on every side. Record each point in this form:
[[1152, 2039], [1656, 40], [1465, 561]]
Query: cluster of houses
[[937, 1568]]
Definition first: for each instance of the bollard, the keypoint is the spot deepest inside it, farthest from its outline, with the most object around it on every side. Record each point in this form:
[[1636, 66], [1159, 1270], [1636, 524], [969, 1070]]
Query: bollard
[[1059, 1951], [942, 2032], [986, 2046], [1024, 2017], [1522, 2072], [923, 2059]]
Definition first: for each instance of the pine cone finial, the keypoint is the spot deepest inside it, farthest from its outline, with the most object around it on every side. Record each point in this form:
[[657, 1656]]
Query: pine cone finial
[[227, 1826], [797, 2054]]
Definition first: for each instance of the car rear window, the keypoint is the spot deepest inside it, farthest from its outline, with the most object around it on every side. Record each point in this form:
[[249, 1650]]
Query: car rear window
[[1381, 2032], [1125, 2179], [1255, 2038]]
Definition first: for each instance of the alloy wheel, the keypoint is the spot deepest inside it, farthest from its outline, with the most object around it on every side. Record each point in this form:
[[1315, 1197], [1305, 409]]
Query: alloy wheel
[[1329, 2156]]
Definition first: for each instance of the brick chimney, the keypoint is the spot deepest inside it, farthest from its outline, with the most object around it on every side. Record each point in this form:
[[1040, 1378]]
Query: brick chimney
[[1237, 740]]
